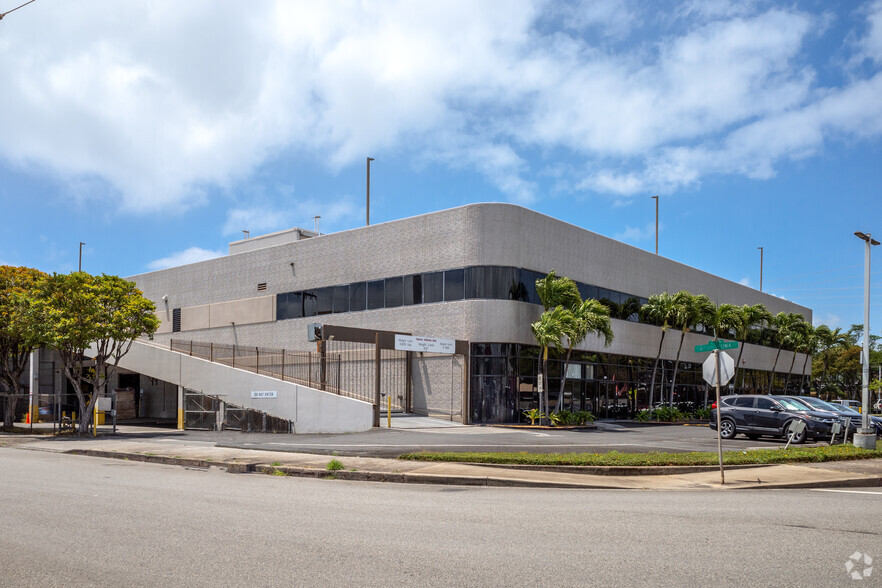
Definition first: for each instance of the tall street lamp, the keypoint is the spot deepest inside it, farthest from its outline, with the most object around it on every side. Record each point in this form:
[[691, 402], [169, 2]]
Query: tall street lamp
[[761, 268], [80, 265], [367, 221], [866, 437]]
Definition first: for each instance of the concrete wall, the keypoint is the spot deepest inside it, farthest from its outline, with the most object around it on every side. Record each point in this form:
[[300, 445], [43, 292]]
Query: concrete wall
[[478, 234], [437, 385], [311, 410]]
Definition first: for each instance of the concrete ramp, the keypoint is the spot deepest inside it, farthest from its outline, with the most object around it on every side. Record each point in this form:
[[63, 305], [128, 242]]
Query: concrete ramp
[[311, 410]]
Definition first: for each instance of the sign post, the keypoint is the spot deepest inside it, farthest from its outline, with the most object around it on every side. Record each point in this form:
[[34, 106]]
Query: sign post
[[718, 370], [719, 433]]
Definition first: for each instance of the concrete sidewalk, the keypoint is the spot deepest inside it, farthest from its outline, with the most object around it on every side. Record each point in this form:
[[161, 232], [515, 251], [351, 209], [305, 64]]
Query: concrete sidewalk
[[189, 453]]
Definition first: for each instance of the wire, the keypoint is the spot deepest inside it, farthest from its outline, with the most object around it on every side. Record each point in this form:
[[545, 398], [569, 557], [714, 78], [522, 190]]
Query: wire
[[2, 14], [818, 272], [803, 289]]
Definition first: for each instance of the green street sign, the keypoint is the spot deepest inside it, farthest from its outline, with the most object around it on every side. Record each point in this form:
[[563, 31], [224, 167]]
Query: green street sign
[[718, 344]]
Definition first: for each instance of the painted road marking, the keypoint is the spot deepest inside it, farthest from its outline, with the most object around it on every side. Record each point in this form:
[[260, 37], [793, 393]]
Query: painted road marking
[[847, 491]]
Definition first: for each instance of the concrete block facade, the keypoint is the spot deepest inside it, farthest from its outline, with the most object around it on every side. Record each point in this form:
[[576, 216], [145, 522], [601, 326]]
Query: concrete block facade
[[232, 299]]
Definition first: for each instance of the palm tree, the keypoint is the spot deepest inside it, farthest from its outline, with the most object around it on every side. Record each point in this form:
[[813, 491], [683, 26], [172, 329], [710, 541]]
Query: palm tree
[[785, 323], [557, 291], [827, 341], [549, 331], [625, 310], [690, 310], [723, 320], [749, 317], [589, 317], [799, 339], [809, 347], [659, 310]]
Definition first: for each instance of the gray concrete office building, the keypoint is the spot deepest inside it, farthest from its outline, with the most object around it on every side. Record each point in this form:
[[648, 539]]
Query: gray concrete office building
[[466, 274]]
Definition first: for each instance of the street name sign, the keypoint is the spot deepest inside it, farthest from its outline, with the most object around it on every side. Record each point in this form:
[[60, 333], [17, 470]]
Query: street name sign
[[727, 369], [718, 344]]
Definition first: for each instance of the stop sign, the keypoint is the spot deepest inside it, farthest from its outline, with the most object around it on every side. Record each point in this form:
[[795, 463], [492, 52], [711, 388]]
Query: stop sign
[[727, 369]]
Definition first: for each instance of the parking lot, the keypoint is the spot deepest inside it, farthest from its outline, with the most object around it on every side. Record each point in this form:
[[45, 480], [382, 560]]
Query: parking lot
[[410, 434]]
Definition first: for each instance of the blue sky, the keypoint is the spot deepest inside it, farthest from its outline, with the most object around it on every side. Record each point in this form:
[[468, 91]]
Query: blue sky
[[156, 131]]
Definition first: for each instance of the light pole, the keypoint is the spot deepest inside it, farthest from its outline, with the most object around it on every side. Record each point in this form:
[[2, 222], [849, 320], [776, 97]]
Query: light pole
[[80, 265], [866, 437], [656, 224], [761, 268], [367, 221]]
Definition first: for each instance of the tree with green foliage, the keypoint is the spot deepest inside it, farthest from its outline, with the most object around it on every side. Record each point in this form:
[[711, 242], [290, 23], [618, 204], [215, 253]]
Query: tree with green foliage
[[19, 334], [749, 318], [589, 317], [549, 331], [787, 334], [658, 310], [99, 316], [828, 341], [554, 290], [809, 346], [690, 310]]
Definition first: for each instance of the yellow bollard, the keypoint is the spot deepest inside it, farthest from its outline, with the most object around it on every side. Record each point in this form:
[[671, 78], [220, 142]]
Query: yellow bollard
[[389, 411]]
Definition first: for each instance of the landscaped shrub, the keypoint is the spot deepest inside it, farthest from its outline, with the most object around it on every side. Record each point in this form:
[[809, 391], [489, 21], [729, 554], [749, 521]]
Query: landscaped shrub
[[534, 414]]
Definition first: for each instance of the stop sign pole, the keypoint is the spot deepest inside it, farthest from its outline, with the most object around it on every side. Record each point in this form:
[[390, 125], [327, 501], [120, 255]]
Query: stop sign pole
[[716, 380], [719, 432]]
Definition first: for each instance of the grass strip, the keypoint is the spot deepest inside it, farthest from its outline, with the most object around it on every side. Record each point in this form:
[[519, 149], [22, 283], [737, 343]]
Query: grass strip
[[615, 458]]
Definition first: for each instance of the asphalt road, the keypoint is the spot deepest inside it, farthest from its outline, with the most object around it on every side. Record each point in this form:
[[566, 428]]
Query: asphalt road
[[396, 441], [71, 520]]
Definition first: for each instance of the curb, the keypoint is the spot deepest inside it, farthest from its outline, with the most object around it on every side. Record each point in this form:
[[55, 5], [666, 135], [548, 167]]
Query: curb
[[622, 470], [475, 481]]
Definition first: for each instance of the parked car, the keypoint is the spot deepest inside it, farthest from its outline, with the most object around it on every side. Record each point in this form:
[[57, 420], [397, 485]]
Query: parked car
[[849, 403], [756, 415], [841, 411], [874, 420]]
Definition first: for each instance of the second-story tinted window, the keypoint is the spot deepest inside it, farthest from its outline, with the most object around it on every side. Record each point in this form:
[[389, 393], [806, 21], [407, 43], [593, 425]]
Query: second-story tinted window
[[433, 287], [394, 292], [454, 281], [412, 290], [357, 296], [376, 294]]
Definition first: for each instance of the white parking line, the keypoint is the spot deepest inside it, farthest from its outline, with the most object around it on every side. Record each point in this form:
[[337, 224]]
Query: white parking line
[[847, 491]]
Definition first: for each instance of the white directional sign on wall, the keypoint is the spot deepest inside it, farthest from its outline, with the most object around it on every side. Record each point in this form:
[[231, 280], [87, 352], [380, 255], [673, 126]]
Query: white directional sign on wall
[[727, 369], [427, 344], [264, 393]]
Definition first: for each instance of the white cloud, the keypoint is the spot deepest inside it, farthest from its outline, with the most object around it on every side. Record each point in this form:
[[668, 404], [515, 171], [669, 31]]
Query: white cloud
[[160, 101], [259, 218], [744, 281], [191, 255], [829, 319], [636, 234], [870, 46]]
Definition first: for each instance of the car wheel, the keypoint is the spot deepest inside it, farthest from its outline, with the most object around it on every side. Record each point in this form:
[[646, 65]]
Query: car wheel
[[799, 437], [727, 429]]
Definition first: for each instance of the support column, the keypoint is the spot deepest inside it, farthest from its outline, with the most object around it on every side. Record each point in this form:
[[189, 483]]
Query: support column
[[34, 386], [180, 408]]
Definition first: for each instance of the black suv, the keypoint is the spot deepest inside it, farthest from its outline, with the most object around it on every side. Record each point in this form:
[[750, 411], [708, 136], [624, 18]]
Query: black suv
[[755, 416]]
